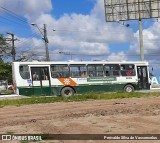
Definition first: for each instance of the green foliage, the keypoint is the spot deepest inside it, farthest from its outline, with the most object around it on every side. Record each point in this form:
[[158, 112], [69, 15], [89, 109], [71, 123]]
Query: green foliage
[[5, 71], [85, 97], [5, 68]]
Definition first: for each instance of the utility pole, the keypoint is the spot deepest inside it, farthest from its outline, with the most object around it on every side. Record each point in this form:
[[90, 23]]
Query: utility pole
[[46, 43], [140, 33], [13, 52], [44, 34], [141, 40]]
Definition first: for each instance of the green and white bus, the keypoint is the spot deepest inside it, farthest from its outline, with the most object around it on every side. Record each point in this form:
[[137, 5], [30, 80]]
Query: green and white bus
[[77, 77]]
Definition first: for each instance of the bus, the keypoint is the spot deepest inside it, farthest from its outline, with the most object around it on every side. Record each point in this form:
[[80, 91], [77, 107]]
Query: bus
[[77, 77]]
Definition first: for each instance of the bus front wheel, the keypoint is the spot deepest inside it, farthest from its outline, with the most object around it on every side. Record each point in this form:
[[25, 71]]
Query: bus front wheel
[[67, 91], [128, 88]]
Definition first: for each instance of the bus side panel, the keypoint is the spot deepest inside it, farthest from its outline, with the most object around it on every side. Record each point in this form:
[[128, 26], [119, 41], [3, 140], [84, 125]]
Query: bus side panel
[[56, 90], [38, 91], [25, 91], [99, 88]]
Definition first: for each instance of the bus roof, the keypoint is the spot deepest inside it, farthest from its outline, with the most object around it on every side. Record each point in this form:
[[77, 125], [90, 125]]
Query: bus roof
[[81, 62]]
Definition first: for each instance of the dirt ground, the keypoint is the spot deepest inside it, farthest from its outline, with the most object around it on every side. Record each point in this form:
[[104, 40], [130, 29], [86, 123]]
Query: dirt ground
[[120, 116]]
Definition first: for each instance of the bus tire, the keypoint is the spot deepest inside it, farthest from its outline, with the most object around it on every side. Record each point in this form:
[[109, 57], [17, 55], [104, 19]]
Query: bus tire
[[67, 91], [128, 88]]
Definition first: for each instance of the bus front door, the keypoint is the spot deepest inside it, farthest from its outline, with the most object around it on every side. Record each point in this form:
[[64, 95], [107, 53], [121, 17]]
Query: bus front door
[[40, 80], [143, 81]]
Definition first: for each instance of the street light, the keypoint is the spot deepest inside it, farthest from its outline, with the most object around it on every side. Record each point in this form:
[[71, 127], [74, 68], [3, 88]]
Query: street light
[[127, 25], [44, 34]]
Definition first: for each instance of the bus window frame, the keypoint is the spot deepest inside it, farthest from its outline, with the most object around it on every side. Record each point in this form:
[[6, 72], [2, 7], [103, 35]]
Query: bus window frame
[[61, 73], [128, 71], [81, 73], [112, 71], [96, 71]]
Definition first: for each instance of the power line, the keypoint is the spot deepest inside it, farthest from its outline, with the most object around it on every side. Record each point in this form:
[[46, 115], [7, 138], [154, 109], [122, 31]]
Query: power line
[[116, 54], [27, 39], [10, 20], [14, 15]]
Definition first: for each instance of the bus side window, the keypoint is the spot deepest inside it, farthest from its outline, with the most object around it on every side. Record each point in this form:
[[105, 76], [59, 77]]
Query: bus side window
[[55, 74], [95, 70], [123, 73], [116, 73], [107, 73], [84, 74], [127, 70], [112, 70], [59, 71], [90, 74], [78, 71], [24, 71]]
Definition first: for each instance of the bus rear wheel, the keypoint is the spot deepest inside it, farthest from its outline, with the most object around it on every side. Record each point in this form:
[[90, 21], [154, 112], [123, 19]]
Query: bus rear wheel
[[67, 91], [128, 88]]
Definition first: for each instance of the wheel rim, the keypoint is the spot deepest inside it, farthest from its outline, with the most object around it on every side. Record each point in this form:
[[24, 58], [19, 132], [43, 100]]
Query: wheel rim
[[68, 93], [129, 89]]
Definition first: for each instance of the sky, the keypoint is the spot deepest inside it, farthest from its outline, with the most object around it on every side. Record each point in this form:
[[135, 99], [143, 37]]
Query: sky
[[76, 30]]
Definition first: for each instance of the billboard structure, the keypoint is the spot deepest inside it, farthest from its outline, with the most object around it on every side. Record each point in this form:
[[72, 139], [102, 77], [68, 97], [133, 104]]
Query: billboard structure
[[121, 10]]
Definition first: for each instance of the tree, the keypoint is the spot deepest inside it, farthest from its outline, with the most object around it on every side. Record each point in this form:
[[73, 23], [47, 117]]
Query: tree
[[5, 68], [5, 50], [5, 71]]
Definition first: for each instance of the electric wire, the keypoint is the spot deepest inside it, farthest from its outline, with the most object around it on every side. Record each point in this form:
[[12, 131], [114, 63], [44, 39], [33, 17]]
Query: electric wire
[[14, 15]]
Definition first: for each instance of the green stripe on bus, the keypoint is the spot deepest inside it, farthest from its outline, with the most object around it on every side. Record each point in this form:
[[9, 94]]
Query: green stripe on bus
[[28, 91], [104, 79]]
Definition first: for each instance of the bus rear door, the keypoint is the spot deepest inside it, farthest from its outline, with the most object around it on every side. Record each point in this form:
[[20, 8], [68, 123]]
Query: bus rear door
[[143, 81]]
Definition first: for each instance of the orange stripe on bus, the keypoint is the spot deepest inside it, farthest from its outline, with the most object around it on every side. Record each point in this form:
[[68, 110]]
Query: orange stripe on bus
[[67, 81]]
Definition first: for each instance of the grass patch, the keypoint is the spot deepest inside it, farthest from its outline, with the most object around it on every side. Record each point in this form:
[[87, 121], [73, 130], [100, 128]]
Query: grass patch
[[24, 141], [6, 92], [9, 133], [84, 97]]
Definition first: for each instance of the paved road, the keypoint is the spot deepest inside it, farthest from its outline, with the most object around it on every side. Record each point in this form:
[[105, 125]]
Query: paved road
[[151, 90], [12, 96]]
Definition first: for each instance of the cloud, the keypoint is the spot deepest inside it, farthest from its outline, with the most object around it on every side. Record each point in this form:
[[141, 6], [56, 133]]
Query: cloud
[[28, 8], [98, 10], [30, 46], [76, 33], [88, 34], [151, 42], [121, 56]]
